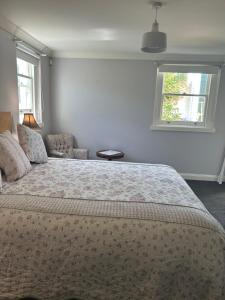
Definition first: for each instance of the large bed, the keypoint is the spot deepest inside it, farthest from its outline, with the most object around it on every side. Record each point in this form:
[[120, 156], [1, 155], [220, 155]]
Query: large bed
[[108, 231]]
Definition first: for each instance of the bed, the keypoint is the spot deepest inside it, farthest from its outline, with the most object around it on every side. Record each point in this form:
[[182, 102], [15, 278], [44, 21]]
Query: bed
[[108, 231]]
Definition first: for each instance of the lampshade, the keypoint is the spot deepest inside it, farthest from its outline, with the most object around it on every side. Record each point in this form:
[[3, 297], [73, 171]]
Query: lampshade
[[154, 41], [29, 120]]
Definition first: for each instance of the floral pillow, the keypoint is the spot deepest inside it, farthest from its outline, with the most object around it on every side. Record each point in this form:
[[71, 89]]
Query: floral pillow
[[13, 161], [32, 144]]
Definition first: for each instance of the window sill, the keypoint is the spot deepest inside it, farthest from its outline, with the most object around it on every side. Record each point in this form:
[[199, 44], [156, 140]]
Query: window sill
[[182, 128]]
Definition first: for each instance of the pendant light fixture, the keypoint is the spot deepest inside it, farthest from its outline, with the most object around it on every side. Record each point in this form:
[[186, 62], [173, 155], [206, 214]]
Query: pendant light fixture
[[154, 41]]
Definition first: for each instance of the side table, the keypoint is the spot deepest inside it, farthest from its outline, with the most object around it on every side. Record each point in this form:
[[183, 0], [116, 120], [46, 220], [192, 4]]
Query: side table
[[110, 154]]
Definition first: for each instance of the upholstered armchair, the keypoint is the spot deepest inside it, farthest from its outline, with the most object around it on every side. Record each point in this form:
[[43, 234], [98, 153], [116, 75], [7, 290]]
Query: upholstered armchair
[[62, 146]]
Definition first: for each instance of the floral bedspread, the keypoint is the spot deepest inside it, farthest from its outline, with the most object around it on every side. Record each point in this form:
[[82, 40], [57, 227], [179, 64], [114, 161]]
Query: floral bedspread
[[101, 180], [108, 231]]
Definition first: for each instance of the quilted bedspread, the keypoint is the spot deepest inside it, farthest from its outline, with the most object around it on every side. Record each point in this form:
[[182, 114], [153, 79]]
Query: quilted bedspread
[[108, 231]]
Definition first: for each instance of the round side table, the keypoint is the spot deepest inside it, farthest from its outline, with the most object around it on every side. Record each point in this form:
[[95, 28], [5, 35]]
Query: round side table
[[110, 154]]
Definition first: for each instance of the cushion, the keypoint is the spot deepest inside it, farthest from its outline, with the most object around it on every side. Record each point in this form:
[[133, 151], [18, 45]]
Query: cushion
[[13, 161], [32, 144]]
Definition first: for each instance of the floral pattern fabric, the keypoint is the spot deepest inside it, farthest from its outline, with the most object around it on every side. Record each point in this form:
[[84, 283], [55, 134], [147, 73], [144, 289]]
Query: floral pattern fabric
[[32, 144], [13, 161], [52, 249], [108, 181]]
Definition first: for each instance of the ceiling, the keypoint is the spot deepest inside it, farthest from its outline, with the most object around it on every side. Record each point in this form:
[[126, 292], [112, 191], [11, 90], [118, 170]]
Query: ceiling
[[115, 27]]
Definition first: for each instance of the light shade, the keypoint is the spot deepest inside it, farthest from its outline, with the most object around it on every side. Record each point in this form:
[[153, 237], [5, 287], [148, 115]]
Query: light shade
[[29, 120], [154, 42]]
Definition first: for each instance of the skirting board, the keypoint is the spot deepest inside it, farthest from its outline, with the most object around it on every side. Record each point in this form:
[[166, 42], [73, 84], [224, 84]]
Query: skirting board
[[202, 177]]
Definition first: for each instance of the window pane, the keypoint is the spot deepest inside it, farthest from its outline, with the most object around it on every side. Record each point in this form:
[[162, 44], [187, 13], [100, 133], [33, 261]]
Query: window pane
[[189, 83], [24, 68], [183, 108], [25, 89]]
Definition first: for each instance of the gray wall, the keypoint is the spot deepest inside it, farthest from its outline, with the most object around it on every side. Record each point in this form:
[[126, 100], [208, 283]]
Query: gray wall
[[109, 104], [8, 81], [45, 84]]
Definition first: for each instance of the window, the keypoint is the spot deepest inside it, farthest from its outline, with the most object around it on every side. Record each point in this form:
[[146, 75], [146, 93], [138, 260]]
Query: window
[[186, 97], [28, 85]]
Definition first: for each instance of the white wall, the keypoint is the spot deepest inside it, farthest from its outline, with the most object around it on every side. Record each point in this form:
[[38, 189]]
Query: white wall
[[8, 81], [109, 104]]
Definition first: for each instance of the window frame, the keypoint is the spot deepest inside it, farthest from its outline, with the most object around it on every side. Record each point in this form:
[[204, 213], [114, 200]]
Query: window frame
[[210, 108], [36, 84]]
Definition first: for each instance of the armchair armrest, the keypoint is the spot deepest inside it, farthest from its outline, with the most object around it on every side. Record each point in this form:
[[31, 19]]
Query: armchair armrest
[[80, 153], [55, 153]]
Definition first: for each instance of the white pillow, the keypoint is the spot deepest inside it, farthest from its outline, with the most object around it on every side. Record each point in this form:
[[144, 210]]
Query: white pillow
[[32, 144]]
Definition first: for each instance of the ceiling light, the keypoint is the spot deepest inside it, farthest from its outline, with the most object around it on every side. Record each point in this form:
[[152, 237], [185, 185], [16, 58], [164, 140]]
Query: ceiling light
[[154, 41]]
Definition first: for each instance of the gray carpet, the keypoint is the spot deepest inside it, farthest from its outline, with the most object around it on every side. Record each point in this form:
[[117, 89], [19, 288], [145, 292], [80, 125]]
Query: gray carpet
[[212, 195]]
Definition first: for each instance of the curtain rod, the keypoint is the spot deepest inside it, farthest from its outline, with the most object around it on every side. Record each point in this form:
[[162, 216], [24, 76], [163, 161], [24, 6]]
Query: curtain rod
[[219, 64], [18, 40], [24, 46]]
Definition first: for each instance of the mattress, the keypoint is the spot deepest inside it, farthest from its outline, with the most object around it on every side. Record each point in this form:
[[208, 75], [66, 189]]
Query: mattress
[[108, 230]]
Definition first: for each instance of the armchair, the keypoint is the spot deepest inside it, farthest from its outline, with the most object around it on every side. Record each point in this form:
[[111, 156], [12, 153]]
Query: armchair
[[62, 146]]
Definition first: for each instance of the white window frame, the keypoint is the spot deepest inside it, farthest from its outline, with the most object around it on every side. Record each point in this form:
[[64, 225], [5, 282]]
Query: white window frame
[[37, 105], [210, 109]]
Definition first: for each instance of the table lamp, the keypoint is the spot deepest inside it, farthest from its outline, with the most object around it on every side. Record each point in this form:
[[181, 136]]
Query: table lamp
[[29, 120]]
